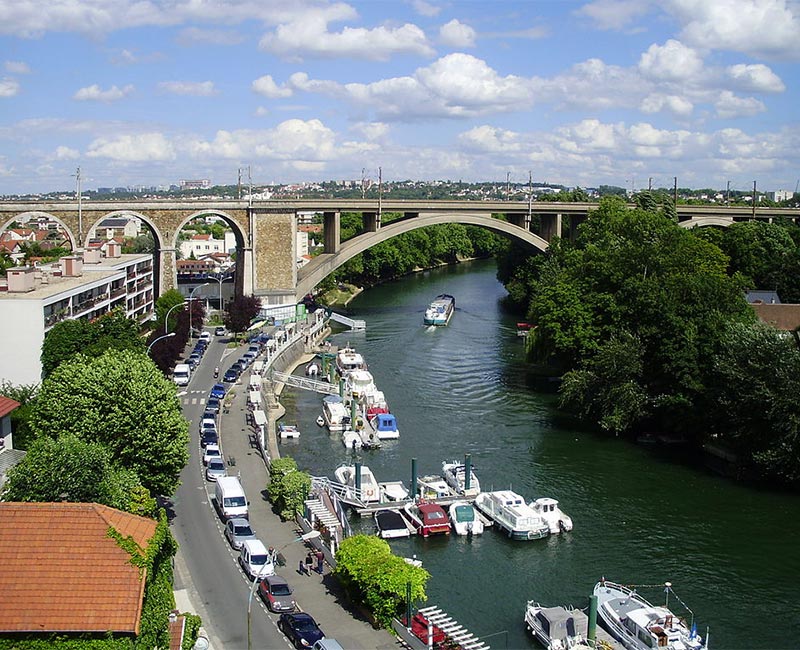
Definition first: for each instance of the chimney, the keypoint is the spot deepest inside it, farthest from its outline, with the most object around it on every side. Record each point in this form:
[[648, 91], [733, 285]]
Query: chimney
[[91, 256], [21, 279], [71, 267], [113, 249]]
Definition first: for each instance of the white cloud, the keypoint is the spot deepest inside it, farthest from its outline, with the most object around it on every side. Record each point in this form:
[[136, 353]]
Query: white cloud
[[95, 93], [17, 67], [766, 28], [198, 36], [755, 78], [133, 148], [424, 8], [193, 88], [457, 34], [66, 153], [680, 107], [8, 87], [729, 106], [613, 14], [591, 135], [261, 111], [487, 138], [371, 130], [672, 61], [266, 86]]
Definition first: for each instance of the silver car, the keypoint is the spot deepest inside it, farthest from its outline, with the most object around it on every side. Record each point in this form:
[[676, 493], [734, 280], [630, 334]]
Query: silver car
[[237, 530], [215, 469]]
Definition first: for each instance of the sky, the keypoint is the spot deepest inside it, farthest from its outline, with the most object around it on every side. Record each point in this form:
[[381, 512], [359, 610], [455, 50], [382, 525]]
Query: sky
[[616, 92]]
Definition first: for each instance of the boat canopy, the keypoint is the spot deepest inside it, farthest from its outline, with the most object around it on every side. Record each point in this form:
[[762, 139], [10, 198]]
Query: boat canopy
[[561, 623], [386, 422], [333, 399]]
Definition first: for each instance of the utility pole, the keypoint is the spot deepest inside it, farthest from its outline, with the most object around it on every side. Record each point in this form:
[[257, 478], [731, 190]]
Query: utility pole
[[675, 194], [250, 183], [79, 196], [240, 183], [508, 185], [728, 195], [530, 196], [650, 184], [363, 182], [754, 199], [380, 190]]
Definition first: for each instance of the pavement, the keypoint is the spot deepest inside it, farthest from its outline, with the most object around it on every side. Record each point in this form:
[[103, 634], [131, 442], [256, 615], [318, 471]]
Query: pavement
[[319, 595]]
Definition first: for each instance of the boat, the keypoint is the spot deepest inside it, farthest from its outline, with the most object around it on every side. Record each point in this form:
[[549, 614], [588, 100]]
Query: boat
[[427, 518], [391, 524], [393, 491], [335, 414], [433, 487], [558, 628], [348, 359], [548, 510], [464, 519], [359, 382], [313, 369], [639, 625], [320, 421], [385, 425], [509, 511], [288, 431], [346, 475], [351, 439], [523, 329], [440, 310], [455, 475]]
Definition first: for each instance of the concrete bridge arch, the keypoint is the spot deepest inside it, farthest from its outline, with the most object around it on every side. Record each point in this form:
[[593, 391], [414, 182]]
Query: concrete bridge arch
[[321, 266], [33, 214], [702, 222]]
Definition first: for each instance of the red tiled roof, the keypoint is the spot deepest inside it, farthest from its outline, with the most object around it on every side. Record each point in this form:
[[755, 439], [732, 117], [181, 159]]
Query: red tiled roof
[[7, 405], [201, 237], [61, 572]]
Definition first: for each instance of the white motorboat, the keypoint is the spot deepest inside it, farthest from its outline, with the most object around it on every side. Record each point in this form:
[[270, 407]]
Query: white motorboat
[[455, 475], [464, 519], [335, 414], [391, 524], [557, 519], [393, 491], [433, 487], [558, 628], [440, 310], [348, 359], [320, 421], [369, 492], [313, 369], [639, 625], [351, 439], [288, 431], [509, 511], [385, 425], [359, 382]]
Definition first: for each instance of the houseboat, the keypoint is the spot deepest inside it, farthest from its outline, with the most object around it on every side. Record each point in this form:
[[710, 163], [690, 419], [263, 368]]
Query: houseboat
[[335, 414], [509, 511], [440, 311]]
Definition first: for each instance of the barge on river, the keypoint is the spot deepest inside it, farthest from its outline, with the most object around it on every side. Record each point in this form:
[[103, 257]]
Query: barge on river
[[440, 310]]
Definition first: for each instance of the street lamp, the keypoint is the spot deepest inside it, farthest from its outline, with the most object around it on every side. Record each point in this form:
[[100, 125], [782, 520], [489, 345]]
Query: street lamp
[[220, 278], [191, 297], [166, 336], [312, 534], [169, 311]]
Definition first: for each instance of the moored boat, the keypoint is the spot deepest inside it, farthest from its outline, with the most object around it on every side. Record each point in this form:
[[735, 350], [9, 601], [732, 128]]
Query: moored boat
[[385, 426], [348, 359], [440, 310], [433, 487], [557, 519], [464, 519], [288, 431], [639, 625], [557, 628], [391, 524], [369, 492], [427, 518], [393, 491], [335, 414], [455, 475], [509, 511]]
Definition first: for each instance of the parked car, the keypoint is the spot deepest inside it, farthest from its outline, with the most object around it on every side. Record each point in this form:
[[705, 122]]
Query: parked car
[[193, 360], [219, 331], [209, 437], [199, 349], [238, 530], [230, 376], [277, 594], [215, 469], [249, 356], [238, 367], [210, 415], [300, 628], [212, 405], [255, 348], [255, 560], [218, 391], [211, 451], [206, 336], [208, 424]]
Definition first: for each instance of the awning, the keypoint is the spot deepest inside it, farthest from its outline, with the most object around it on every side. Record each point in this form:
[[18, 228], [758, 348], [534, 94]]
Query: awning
[[259, 417], [255, 382], [257, 325], [255, 397]]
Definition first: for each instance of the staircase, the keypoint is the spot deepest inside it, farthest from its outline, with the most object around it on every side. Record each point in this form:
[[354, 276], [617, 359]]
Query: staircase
[[298, 381]]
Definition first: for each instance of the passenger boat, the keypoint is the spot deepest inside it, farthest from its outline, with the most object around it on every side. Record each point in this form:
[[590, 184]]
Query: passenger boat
[[440, 310], [557, 519], [464, 519], [335, 414], [558, 628], [346, 475], [455, 475], [427, 518], [509, 511], [348, 359], [639, 625], [288, 431], [391, 524]]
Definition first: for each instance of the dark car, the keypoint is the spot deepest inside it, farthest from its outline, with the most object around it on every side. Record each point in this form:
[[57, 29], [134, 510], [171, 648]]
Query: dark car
[[209, 415], [218, 391], [230, 376], [300, 628], [277, 594], [193, 360], [209, 437], [212, 405]]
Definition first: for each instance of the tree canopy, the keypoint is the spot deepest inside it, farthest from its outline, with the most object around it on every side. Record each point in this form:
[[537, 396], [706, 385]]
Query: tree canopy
[[240, 312], [119, 399]]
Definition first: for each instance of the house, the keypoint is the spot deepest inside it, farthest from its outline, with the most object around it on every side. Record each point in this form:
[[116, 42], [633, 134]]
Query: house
[[8, 455], [201, 244], [770, 310], [64, 574]]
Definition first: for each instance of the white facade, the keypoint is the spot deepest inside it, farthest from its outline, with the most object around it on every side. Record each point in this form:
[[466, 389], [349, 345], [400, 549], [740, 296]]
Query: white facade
[[780, 195], [25, 317], [201, 245]]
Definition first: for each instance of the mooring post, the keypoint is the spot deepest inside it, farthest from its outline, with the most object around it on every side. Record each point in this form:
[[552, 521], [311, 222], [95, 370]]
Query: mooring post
[[592, 632], [414, 479], [467, 471]]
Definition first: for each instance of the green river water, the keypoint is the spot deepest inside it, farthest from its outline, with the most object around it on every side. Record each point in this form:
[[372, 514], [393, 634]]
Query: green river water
[[731, 552]]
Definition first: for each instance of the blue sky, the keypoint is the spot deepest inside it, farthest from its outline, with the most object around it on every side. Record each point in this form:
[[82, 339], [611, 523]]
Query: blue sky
[[148, 92]]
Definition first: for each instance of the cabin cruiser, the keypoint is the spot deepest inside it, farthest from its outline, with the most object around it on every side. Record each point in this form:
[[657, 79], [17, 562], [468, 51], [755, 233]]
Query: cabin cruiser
[[335, 413], [455, 475], [558, 628], [440, 310], [347, 359], [346, 475], [509, 511], [391, 524], [465, 519], [359, 383], [433, 487], [385, 426], [639, 625], [427, 518], [548, 510], [393, 491]]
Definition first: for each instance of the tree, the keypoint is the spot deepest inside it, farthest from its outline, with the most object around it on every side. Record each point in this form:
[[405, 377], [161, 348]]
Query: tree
[[25, 394], [288, 487], [71, 469], [164, 303], [120, 400], [240, 312]]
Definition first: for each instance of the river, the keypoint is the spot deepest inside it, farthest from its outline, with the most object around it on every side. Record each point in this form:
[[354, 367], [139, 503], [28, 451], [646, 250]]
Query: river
[[640, 518]]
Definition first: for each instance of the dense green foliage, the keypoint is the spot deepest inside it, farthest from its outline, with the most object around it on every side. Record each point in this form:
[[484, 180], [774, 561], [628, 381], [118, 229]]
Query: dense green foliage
[[374, 577], [67, 468], [288, 487], [167, 351], [25, 394], [121, 400], [112, 331], [240, 312]]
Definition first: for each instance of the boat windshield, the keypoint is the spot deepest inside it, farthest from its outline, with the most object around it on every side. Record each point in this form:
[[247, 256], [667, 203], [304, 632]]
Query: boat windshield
[[464, 514]]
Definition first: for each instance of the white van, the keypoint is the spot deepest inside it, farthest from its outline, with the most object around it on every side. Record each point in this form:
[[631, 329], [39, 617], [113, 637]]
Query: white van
[[182, 374], [326, 643], [231, 501]]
